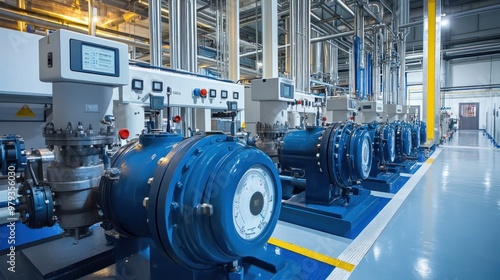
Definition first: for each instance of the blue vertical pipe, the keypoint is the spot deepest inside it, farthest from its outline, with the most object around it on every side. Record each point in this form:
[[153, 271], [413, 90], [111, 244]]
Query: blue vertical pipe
[[369, 74], [357, 68]]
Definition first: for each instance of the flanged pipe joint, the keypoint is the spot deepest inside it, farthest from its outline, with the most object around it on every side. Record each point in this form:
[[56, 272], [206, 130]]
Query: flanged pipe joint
[[204, 201], [12, 154], [384, 146], [403, 140], [333, 159]]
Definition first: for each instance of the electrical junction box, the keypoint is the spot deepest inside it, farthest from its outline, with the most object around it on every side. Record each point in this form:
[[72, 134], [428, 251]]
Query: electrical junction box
[[340, 108], [393, 112], [371, 111], [341, 103], [273, 89], [67, 56], [393, 109]]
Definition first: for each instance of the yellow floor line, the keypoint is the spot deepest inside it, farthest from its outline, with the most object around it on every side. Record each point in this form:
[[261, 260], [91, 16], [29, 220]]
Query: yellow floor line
[[311, 254], [430, 160]]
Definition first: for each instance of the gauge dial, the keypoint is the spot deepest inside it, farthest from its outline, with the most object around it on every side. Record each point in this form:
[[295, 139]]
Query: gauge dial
[[253, 203]]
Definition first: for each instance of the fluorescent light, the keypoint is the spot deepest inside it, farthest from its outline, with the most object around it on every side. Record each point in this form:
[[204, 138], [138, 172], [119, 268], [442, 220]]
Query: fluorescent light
[[445, 22]]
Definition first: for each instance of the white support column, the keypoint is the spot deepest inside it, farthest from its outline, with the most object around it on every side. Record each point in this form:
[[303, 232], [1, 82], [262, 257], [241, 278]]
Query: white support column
[[270, 38], [233, 26]]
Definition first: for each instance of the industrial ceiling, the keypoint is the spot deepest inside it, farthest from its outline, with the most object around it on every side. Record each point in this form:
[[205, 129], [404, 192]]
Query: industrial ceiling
[[127, 21]]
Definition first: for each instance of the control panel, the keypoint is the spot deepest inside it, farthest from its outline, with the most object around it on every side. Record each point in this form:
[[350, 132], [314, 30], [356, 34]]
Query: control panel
[[67, 56], [273, 89], [185, 90], [306, 103]]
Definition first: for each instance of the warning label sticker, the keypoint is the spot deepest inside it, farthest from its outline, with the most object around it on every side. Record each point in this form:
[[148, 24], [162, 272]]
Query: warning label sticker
[[25, 112]]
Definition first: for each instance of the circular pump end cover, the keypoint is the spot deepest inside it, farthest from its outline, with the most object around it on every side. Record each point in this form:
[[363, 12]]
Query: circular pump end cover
[[213, 200], [407, 135], [361, 154], [349, 153]]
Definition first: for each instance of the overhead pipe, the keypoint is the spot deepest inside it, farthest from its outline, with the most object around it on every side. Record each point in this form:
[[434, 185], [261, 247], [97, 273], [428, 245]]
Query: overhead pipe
[[332, 36], [333, 13], [92, 13], [233, 22], [385, 6], [21, 4], [345, 7], [404, 15], [300, 43], [155, 34], [52, 25], [269, 38], [359, 52]]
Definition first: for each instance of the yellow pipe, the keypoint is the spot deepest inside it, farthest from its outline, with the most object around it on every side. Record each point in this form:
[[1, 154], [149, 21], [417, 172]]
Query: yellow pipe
[[431, 67]]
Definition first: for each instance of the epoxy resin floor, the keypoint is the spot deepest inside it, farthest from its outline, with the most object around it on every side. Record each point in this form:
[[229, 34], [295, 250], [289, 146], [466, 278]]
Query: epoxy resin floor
[[449, 225]]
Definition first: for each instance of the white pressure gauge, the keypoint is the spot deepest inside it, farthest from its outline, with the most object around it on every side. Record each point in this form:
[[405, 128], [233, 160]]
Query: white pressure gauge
[[253, 202]]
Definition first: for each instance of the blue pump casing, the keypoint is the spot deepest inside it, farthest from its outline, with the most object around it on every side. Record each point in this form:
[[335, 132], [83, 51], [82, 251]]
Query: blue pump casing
[[415, 136], [179, 193], [423, 131], [12, 153], [403, 139], [332, 158], [384, 146]]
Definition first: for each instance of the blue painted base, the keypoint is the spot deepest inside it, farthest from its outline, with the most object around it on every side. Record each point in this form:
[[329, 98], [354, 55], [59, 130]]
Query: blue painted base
[[23, 235], [335, 219], [384, 182], [408, 166], [270, 262]]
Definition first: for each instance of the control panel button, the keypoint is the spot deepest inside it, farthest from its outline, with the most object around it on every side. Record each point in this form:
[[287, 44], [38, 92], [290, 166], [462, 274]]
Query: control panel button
[[203, 92], [196, 92]]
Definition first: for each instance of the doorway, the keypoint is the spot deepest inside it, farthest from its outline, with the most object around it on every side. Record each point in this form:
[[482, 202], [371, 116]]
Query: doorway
[[469, 116]]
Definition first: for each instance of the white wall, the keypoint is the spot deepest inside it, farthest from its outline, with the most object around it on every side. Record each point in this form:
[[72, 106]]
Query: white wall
[[20, 66], [474, 71], [30, 131]]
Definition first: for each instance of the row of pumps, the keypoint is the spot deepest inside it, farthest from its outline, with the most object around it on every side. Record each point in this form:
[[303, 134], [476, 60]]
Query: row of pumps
[[208, 202], [199, 207]]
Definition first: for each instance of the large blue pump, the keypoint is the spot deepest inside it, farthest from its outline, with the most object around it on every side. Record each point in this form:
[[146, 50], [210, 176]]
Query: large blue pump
[[203, 202], [332, 158], [329, 163], [384, 146]]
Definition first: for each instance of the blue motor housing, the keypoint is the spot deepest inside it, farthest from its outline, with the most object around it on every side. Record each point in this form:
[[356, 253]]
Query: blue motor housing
[[332, 158], [12, 154], [383, 137], [203, 201], [403, 139]]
